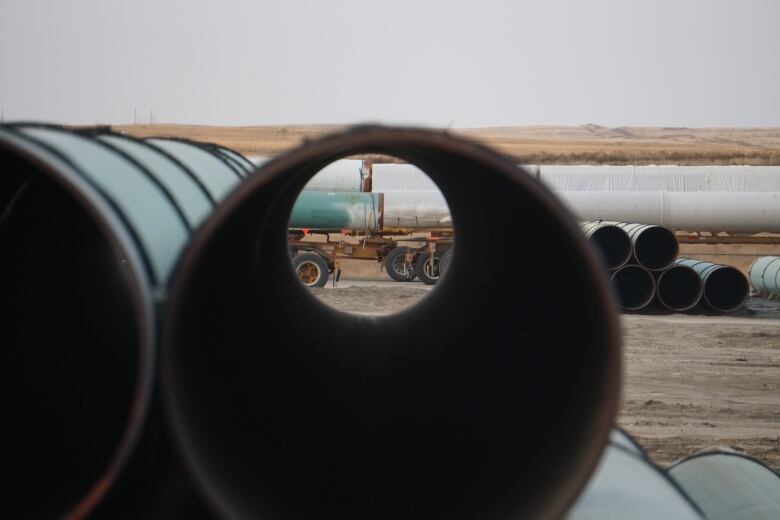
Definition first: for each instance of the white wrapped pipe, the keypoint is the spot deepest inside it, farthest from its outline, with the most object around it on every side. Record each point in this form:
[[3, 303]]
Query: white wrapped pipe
[[416, 209], [732, 212], [393, 176], [341, 175], [659, 178]]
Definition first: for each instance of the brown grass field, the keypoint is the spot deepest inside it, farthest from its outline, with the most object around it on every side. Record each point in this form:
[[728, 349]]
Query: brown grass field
[[587, 144]]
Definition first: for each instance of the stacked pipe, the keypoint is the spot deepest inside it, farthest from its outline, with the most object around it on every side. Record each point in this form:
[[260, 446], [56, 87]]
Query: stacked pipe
[[90, 229], [677, 284], [632, 253], [122, 255]]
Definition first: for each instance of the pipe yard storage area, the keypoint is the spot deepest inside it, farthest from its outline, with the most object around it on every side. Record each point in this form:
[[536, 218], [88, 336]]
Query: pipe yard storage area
[[166, 362]]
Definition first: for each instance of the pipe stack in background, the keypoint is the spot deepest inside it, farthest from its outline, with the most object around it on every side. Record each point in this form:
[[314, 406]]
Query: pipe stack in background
[[120, 256], [655, 274]]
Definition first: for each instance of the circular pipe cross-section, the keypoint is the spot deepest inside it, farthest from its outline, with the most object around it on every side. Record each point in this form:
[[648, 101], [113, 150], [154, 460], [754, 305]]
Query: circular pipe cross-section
[[679, 288], [612, 242], [726, 289], [655, 247], [456, 407], [634, 286]]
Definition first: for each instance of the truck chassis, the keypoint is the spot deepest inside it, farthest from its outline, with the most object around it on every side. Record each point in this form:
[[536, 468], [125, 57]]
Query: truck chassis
[[400, 253]]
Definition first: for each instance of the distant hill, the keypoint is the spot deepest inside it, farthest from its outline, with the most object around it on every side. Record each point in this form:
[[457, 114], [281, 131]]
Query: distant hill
[[586, 144]]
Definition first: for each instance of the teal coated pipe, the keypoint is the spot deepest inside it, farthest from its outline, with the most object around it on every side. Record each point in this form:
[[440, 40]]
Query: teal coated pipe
[[627, 484], [764, 274], [91, 226], [336, 210], [728, 486], [726, 289]]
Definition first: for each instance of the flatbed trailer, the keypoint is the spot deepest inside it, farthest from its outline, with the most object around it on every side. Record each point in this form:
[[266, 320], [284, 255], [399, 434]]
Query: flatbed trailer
[[398, 251]]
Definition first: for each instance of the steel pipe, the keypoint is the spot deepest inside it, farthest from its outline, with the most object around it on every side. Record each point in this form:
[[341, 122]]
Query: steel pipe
[[764, 275], [90, 228], [655, 247], [727, 485], [726, 289], [612, 243], [286, 408], [634, 286], [678, 288]]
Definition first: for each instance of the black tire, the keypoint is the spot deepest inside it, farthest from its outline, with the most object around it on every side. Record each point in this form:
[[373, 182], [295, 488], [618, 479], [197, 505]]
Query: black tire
[[444, 262], [427, 274], [312, 269], [397, 269]]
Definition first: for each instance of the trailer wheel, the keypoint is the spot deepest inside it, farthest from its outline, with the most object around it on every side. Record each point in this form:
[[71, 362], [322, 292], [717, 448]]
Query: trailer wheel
[[444, 262], [397, 267], [312, 269], [427, 273]]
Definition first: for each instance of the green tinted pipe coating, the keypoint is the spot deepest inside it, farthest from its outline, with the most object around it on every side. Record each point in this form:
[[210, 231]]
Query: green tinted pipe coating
[[764, 276], [337, 210]]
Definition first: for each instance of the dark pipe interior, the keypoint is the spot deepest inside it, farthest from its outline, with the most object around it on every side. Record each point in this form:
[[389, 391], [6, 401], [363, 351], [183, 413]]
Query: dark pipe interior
[[634, 287], [656, 248], [480, 401], [614, 245], [69, 345], [726, 289], [679, 288]]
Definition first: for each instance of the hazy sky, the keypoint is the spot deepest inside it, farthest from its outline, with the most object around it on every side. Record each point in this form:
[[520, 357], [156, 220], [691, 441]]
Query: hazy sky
[[441, 63]]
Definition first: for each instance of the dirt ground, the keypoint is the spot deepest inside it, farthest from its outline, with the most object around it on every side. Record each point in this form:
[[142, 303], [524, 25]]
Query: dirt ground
[[692, 381]]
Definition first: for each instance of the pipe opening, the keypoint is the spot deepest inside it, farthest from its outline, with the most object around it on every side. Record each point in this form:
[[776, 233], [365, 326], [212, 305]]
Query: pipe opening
[[70, 345], [634, 286], [614, 245], [679, 288], [726, 289], [656, 248], [359, 223], [287, 408]]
